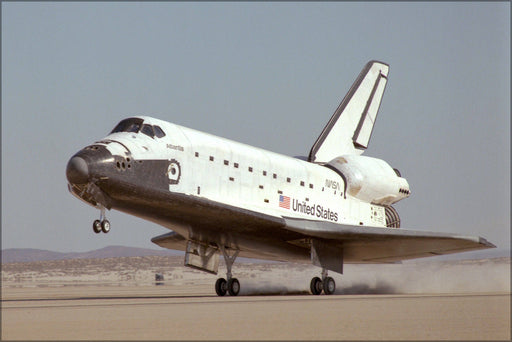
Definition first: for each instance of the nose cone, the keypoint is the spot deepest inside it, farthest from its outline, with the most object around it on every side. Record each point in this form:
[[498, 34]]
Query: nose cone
[[77, 171]]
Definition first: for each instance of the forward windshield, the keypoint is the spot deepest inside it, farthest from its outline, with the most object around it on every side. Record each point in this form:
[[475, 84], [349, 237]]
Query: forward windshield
[[135, 125], [132, 125]]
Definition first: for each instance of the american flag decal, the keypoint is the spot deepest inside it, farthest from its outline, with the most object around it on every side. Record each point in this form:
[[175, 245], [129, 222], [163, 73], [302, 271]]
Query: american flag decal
[[284, 202]]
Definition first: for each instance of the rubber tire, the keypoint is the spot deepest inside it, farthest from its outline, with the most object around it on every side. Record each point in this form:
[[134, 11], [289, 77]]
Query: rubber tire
[[105, 226], [316, 286], [221, 287], [329, 286], [233, 287], [96, 226]]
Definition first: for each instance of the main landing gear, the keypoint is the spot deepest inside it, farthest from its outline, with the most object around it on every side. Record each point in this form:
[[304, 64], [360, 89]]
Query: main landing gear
[[231, 285], [326, 284], [101, 225]]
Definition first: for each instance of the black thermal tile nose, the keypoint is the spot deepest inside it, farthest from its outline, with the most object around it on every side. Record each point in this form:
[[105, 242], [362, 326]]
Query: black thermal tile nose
[[77, 171]]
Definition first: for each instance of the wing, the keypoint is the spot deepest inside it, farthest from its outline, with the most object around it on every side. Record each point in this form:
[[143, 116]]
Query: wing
[[384, 245], [286, 239]]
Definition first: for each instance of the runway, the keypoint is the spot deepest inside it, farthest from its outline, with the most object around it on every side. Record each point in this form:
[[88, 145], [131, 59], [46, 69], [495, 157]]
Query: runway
[[194, 312]]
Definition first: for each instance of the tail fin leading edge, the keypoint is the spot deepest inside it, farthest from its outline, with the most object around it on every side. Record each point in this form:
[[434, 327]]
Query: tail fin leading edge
[[350, 127]]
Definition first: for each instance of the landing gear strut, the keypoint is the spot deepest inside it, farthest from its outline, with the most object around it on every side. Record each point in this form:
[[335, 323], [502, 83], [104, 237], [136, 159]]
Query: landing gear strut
[[232, 285], [101, 225], [326, 284]]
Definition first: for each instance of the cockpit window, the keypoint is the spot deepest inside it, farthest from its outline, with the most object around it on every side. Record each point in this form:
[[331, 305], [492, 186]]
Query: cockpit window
[[158, 132], [135, 125], [148, 130], [132, 125]]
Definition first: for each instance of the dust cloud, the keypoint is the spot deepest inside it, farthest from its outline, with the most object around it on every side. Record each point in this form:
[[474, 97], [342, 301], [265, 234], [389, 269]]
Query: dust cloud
[[416, 277]]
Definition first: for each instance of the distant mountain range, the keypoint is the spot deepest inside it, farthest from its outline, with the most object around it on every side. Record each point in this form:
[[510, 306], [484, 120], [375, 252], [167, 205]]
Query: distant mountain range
[[31, 255]]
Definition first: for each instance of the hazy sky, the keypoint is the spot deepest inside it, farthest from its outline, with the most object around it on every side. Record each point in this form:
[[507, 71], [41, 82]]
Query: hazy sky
[[266, 74]]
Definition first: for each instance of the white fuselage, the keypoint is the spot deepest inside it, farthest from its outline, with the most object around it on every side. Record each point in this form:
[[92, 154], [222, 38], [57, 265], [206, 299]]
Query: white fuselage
[[251, 178]]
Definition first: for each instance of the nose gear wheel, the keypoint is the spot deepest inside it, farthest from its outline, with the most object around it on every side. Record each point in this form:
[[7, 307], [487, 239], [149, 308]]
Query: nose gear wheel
[[96, 226], [101, 225]]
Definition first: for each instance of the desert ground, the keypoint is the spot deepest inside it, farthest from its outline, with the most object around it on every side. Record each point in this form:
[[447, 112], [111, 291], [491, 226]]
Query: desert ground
[[118, 299]]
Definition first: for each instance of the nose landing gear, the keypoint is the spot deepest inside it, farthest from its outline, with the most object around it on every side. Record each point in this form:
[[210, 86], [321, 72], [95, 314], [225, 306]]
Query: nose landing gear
[[101, 225]]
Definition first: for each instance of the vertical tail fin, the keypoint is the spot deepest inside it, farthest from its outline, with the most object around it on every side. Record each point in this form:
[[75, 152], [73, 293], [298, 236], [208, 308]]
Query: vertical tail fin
[[350, 127]]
